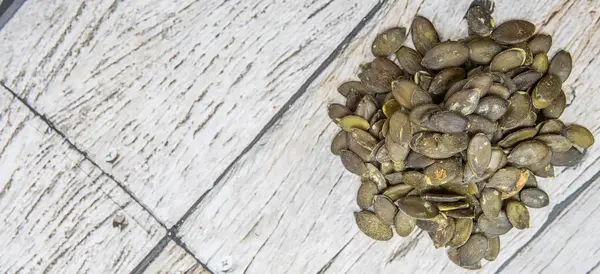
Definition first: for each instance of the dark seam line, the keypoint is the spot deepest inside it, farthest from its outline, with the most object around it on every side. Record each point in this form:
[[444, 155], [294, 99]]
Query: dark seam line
[[556, 211], [151, 256], [181, 244], [85, 156], [8, 8]]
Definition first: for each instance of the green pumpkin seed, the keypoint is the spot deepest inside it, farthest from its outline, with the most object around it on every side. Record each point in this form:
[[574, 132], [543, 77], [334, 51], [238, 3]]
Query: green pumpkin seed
[[455, 87], [527, 79], [492, 107], [481, 124], [513, 32], [416, 160], [364, 138], [546, 91], [518, 136], [372, 226], [443, 198], [528, 53], [479, 81], [494, 226], [518, 110], [491, 203], [528, 153], [374, 175], [352, 100], [352, 162], [479, 153], [337, 111], [551, 126], [410, 60], [453, 256], [579, 135], [446, 54], [480, 21], [397, 152], [557, 107], [443, 236], [378, 75], [446, 122], [493, 248], [421, 113], [390, 107], [376, 129], [438, 145], [508, 59], [443, 171], [364, 154], [394, 178], [534, 197], [339, 143], [424, 35], [483, 50], [462, 232], [409, 94], [423, 79], [540, 63], [355, 86], [404, 224], [398, 191], [517, 214], [545, 172], [452, 205], [464, 101], [366, 193], [388, 42], [351, 121], [387, 168], [418, 208], [399, 128], [569, 158], [367, 107], [508, 179], [439, 222], [461, 214], [415, 179], [556, 142], [385, 209], [445, 78], [382, 155], [473, 250], [540, 43], [561, 65]]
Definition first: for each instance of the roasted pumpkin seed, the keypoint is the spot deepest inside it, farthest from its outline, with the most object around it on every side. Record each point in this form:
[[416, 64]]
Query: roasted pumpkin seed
[[367, 107], [462, 232], [446, 54], [492, 107], [409, 94], [561, 65], [417, 160], [546, 91], [418, 208], [410, 60], [355, 86], [438, 222], [398, 191], [424, 35], [473, 250], [352, 162], [540, 62], [518, 136], [481, 124], [404, 224], [443, 236], [527, 79], [508, 179], [491, 203], [379, 74], [453, 256], [479, 20], [556, 142], [494, 226], [443, 198], [508, 59], [483, 50], [513, 31], [388, 42], [534, 197], [517, 214], [446, 122], [443, 171], [557, 107], [372, 226], [438, 145], [465, 101], [479, 153], [339, 143], [528, 152], [445, 78], [351, 121], [385, 209], [493, 248], [579, 135], [366, 193], [540, 43], [390, 107], [569, 158]]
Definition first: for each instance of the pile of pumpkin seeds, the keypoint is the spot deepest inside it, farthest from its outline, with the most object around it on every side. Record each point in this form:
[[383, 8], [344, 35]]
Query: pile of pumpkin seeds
[[450, 136]]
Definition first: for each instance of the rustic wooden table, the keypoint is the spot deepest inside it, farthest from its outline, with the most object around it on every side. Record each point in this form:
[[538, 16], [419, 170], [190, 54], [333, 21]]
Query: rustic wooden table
[[203, 124]]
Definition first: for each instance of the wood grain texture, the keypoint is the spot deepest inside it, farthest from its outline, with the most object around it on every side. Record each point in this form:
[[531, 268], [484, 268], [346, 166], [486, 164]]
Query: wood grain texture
[[177, 88], [287, 205], [175, 260], [57, 208]]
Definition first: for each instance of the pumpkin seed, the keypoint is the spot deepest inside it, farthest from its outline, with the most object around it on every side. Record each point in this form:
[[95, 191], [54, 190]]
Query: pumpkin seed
[[446, 54], [452, 205], [569, 158], [372, 226], [479, 81], [399, 128], [561, 65], [528, 153], [493, 248], [492, 107], [376, 129], [461, 214], [443, 171], [418, 208], [423, 79], [396, 152], [367, 107], [499, 90], [455, 87], [421, 113], [527, 79], [385, 209], [480, 21], [388, 42], [364, 138], [358, 87], [352, 100], [508, 59], [424, 35], [404, 224], [483, 50], [352, 121], [551, 126], [494, 226], [445, 78], [546, 90], [518, 110], [379, 74], [557, 107], [366, 193], [438, 145], [374, 175], [453, 256], [464, 101], [415, 179], [398, 191], [409, 94], [339, 143], [352, 162], [579, 135], [556, 142], [446, 122], [417, 160], [410, 60], [473, 250], [540, 62], [534, 197], [491, 203], [479, 153], [508, 179], [462, 231], [438, 222], [443, 236], [390, 107], [364, 154], [481, 124], [443, 198], [517, 214], [337, 111], [518, 136], [387, 168], [513, 31], [540, 43]]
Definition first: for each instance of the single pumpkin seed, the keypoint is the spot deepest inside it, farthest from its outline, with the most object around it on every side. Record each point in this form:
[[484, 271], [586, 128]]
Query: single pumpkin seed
[[483, 50], [409, 59], [364, 154], [385, 209], [481, 124], [399, 128], [464, 101], [339, 143], [492, 107], [352, 121], [540, 62], [480, 21], [453, 256], [494, 226], [404, 224], [528, 53], [557, 107], [372, 226], [409, 94], [337, 111], [379, 74], [422, 113], [347, 87], [534, 197], [556, 142], [545, 172], [374, 175], [443, 236], [551, 126], [455, 87], [579, 135], [546, 91], [569, 158], [352, 162], [473, 250], [499, 90], [491, 203], [382, 155], [417, 160], [493, 248], [518, 136], [446, 122], [443, 171], [517, 214], [364, 138], [508, 59], [446, 54], [418, 208], [518, 110], [352, 100], [438, 145], [479, 153], [561, 65], [397, 152], [387, 168], [366, 193], [540, 43], [423, 79], [462, 232], [397, 191], [527, 79], [443, 198], [513, 31], [445, 78], [416, 179], [367, 107], [424, 35], [390, 107], [438, 222], [508, 179], [388, 42], [376, 129], [528, 152], [479, 81]]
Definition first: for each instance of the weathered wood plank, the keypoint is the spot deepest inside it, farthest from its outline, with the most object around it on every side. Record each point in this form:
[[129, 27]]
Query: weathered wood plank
[[174, 259], [57, 208], [177, 88], [286, 206]]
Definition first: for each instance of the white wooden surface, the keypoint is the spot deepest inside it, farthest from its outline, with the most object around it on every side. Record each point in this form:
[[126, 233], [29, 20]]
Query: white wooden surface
[[216, 73], [175, 260], [286, 206], [57, 208], [178, 88]]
